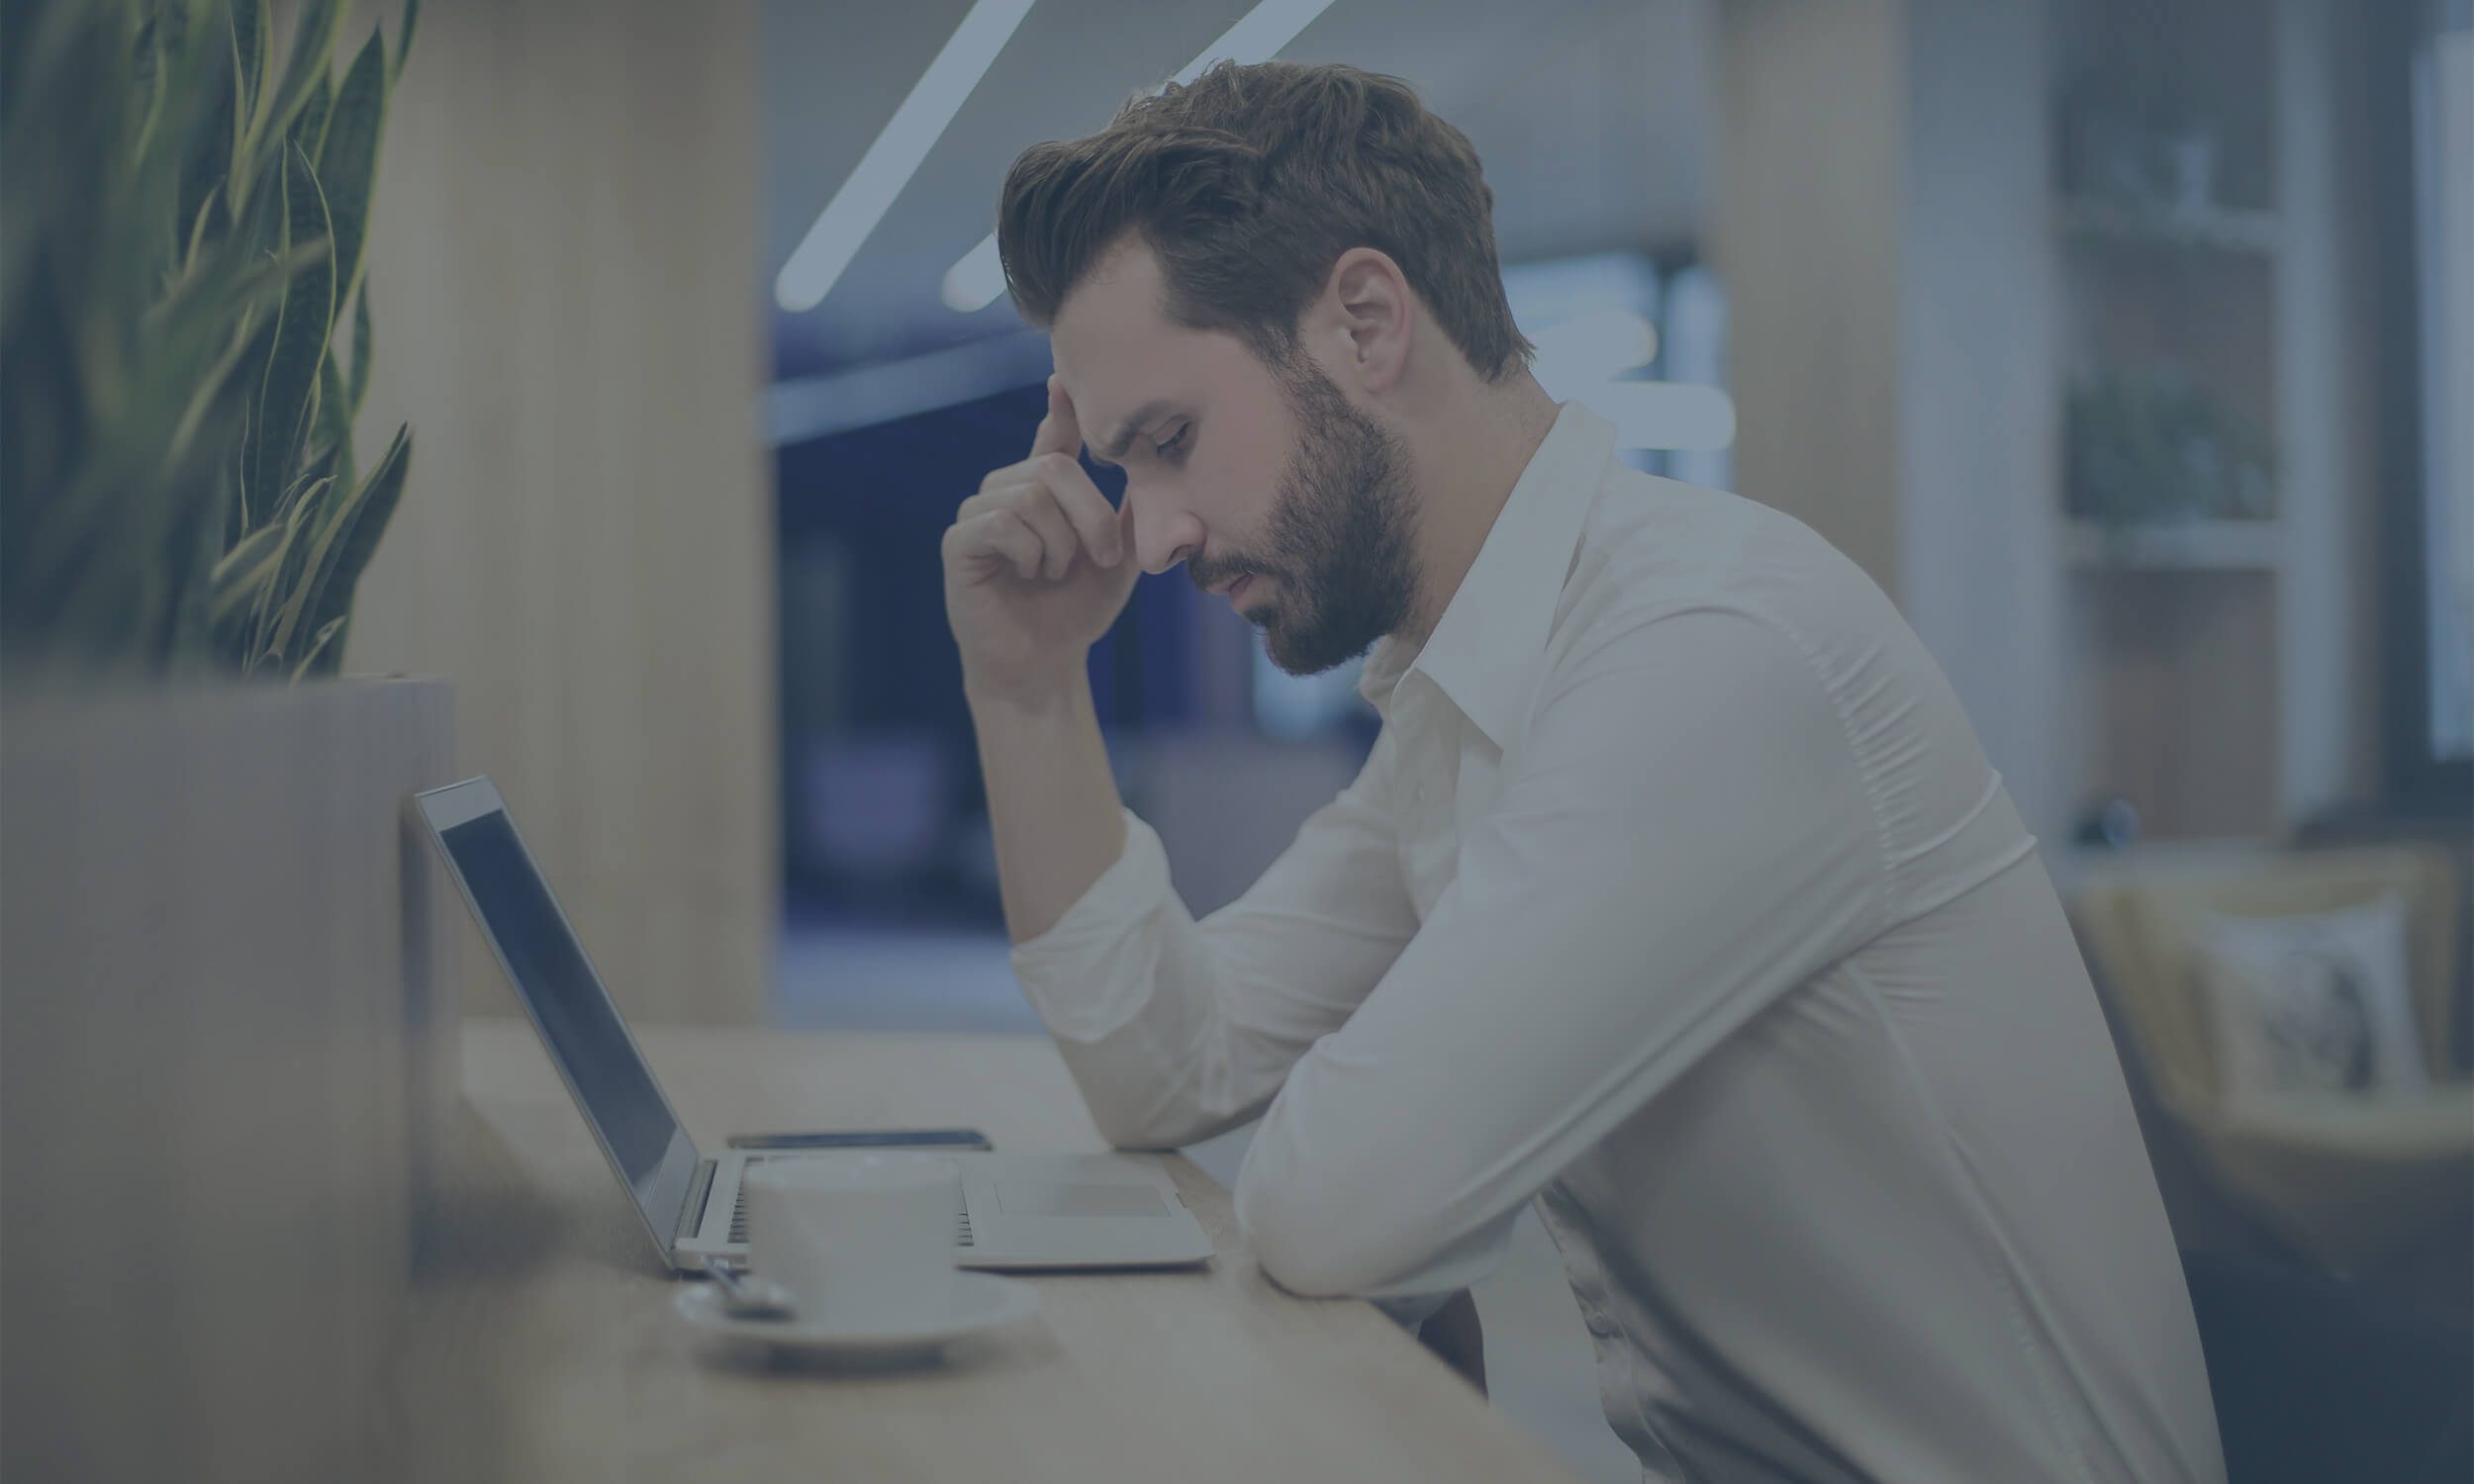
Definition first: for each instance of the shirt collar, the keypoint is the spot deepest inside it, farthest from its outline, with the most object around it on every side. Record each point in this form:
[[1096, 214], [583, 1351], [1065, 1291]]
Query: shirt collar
[[1488, 642]]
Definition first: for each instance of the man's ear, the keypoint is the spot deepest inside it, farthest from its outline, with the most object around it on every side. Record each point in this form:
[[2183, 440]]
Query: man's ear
[[1370, 318]]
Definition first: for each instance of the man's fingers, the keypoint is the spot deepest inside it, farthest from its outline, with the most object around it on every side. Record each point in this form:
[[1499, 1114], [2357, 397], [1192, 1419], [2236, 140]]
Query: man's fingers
[[1049, 499], [1064, 481], [999, 534], [1058, 432], [1034, 508], [1095, 519], [1057, 544]]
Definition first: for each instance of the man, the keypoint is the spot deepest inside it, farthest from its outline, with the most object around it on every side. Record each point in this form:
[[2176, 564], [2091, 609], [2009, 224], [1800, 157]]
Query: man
[[1675, 896]]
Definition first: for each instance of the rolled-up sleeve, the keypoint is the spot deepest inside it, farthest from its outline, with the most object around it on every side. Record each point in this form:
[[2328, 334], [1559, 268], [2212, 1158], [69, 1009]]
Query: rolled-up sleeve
[[1177, 1029], [1684, 836]]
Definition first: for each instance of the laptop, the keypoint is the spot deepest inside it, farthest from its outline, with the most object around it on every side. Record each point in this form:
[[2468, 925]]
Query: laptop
[[1018, 1211]]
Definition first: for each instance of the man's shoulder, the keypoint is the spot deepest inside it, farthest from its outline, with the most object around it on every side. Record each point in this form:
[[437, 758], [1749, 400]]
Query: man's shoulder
[[1653, 547]]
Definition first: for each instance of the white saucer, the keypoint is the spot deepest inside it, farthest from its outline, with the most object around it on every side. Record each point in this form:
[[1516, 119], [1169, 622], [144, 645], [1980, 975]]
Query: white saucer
[[977, 1302]]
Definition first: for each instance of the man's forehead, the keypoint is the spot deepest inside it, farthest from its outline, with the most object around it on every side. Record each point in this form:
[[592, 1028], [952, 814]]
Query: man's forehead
[[1117, 353], [1110, 333], [1117, 385], [1108, 402]]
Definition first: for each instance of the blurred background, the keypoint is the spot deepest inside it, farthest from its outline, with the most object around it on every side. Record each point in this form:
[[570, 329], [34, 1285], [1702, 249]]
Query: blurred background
[[2127, 343]]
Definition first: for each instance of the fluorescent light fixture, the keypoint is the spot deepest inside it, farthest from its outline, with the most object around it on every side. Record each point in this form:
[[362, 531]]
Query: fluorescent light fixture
[[1579, 359], [1662, 413], [888, 165], [979, 278], [1593, 347], [1257, 37], [973, 283]]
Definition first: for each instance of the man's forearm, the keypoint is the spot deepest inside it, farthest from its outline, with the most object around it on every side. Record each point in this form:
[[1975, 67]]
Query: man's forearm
[[1052, 801]]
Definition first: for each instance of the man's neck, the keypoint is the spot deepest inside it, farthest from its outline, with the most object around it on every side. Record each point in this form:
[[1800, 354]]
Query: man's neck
[[1465, 473]]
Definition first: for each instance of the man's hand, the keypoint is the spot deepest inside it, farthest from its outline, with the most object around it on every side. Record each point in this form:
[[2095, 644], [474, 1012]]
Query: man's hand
[[1037, 566], [1452, 1333]]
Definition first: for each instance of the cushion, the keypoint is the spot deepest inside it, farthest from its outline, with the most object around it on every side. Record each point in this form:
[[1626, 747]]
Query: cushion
[[2309, 1003]]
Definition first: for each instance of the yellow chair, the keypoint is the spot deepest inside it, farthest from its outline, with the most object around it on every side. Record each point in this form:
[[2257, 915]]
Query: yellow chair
[[2345, 1181]]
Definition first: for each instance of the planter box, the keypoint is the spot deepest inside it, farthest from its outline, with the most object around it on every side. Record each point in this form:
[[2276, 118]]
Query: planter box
[[228, 1070]]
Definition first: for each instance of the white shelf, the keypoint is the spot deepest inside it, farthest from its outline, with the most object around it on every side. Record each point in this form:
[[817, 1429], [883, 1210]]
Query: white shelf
[[2215, 229], [2184, 546]]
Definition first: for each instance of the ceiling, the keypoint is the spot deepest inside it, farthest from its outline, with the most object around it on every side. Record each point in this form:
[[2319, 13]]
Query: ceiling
[[1594, 118]]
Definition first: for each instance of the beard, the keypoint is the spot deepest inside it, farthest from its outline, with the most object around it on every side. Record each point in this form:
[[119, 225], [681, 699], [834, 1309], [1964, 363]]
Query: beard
[[1341, 534]]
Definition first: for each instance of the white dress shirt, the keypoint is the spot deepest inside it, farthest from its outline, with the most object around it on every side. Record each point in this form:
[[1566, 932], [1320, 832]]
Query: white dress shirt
[[1678, 897]]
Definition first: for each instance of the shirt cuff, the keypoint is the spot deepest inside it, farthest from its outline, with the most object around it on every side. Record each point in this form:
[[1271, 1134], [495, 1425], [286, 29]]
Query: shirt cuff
[[1089, 975]]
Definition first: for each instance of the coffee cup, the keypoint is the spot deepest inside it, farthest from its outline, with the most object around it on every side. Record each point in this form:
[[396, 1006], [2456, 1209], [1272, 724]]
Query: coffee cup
[[860, 1241]]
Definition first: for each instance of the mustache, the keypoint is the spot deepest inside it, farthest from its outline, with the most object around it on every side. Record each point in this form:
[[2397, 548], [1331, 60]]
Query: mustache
[[1210, 575]]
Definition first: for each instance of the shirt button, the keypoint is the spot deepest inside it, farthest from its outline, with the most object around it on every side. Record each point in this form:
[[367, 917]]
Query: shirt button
[[1599, 1324]]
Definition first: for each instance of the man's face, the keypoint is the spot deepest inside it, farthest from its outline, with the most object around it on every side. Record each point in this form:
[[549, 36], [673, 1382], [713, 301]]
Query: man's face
[[1269, 483]]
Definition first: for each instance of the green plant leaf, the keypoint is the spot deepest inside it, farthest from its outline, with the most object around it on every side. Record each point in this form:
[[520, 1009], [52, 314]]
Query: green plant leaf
[[404, 39], [263, 74], [302, 334], [364, 345], [347, 164], [253, 43], [252, 54], [254, 195], [279, 598], [324, 649], [329, 660], [339, 454], [186, 643], [227, 294], [157, 35], [177, 477], [334, 414], [308, 72], [173, 414], [255, 288], [345, 545], [305, 485], [197, 225], [209, 160], [244, 573], [185, 117], [308, 131]]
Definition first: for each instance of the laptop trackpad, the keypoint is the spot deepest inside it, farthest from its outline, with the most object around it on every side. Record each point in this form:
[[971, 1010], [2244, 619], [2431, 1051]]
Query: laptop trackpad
[[1065, 1198]]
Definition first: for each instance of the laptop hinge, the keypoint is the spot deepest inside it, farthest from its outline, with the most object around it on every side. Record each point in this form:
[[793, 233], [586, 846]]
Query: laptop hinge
[[699, 1191]]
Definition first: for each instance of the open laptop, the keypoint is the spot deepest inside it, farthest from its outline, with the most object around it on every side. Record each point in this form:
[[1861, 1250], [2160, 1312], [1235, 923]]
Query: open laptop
[[1018, 1211]]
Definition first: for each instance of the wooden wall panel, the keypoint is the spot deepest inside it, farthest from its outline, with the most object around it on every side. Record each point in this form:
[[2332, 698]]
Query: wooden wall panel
[[1807, 238], [568, 310]]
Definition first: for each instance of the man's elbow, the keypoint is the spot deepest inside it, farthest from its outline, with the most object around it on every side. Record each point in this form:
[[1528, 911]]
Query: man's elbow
[[1131, 1135], [1311, 1247], [1159, 1129], [1141, 1142]]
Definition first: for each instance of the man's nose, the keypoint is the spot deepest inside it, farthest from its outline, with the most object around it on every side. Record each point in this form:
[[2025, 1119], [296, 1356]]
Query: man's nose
[[1164, 535]]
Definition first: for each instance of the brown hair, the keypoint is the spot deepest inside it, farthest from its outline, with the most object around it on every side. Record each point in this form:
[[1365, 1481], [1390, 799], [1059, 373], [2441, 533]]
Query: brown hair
[[1249, 182]]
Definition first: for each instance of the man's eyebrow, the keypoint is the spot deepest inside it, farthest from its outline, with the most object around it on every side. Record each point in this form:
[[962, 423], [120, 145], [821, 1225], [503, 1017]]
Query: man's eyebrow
[[1114, 451]]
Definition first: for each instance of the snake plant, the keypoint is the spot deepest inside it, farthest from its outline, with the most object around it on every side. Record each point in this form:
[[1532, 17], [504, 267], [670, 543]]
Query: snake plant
[[185, 335]]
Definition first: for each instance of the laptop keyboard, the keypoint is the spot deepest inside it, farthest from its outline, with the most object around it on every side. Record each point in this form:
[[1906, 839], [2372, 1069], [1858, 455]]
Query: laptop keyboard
[[738, 1221]]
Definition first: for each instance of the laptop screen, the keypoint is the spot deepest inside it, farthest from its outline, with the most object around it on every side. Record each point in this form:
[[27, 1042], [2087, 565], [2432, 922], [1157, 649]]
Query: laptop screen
[[590, 1043]]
